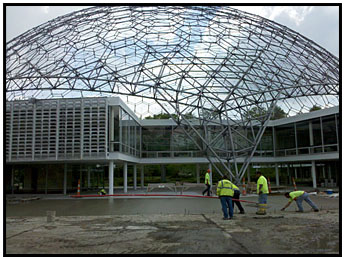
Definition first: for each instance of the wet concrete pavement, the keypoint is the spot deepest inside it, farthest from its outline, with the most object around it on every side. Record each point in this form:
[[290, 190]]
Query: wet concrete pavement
[[169, 226]]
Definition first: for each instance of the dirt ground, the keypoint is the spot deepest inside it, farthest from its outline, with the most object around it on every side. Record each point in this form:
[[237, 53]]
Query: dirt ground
[[278, 232]]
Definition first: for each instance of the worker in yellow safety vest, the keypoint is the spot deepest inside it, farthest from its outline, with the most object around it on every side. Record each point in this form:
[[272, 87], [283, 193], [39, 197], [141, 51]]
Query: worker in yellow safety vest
[[102, 192], [299, 196], [207, 183], [262, 191], [225, 192]]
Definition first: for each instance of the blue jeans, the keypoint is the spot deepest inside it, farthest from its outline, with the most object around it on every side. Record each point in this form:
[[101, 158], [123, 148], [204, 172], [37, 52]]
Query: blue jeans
[[263, 198], [305, 197], [226, 202]]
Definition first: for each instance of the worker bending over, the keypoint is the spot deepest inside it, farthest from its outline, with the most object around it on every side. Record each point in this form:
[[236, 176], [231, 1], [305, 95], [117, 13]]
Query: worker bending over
[[236, 198], [299, 197], [225, 192]]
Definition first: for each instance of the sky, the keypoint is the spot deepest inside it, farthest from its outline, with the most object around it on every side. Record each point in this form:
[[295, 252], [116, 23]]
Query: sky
[[318, 23]]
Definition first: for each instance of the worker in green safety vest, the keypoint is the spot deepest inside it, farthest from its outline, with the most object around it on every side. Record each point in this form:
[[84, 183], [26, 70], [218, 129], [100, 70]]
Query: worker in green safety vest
[[207, 183], [299, 197], [262, 191], [225, 192], [102, 192]]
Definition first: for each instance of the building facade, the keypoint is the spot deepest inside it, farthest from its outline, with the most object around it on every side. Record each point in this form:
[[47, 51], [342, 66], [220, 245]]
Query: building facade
[[52, 144]]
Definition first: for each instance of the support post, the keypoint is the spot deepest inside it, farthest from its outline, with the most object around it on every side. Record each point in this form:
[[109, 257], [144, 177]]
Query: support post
[[197, 173], [295, 172], [163, 173], [125, 169], [88, 177], [313, 173], [277, 174], [135, 176], [65, 180], [248, 173], [111, 177], [142, 177]]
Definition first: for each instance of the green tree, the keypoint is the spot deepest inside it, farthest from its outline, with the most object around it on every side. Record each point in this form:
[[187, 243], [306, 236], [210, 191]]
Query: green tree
[[278, 113], [255, 113], [161, 116], [314, 108]]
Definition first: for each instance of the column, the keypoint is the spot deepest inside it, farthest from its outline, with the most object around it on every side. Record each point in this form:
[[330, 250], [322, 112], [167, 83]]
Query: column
[[277, 174], [111, 177], [197, 173], [142, 177], [210, 167], [125, 170], [248, 173], [135, 176], [324, 171], [88, 177], [163, 173], [295, 172], [65, 180], [313, 173]]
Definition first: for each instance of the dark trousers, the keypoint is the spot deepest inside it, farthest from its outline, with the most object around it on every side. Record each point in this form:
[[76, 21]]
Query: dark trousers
[[237, 197], [207, 190]]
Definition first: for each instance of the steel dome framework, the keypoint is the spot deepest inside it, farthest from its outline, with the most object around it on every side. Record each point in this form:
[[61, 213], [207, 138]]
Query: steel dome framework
[[208, 65]]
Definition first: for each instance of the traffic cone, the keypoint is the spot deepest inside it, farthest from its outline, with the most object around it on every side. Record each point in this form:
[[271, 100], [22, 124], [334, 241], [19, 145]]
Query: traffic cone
[[294, 184], [269, 185], [78, 191], [244, 193]]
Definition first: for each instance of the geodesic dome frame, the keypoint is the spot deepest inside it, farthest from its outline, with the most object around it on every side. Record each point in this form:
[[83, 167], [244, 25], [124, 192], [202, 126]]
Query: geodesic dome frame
[[213, 64]]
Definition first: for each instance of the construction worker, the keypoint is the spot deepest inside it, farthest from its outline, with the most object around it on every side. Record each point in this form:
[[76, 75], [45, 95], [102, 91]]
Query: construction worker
[[262, 191], [102, 192], [299, 196], [207, 182], [236, 197], [225, 192]]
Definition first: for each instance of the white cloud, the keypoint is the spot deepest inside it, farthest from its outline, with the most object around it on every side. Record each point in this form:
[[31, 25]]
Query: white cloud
[[45, 9]]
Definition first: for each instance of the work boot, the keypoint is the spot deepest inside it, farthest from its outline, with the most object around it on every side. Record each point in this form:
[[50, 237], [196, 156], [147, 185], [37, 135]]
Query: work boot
[[316, 210], [241, 212]]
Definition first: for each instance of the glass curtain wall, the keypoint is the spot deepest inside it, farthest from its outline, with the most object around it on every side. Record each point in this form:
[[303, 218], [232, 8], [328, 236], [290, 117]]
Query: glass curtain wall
[[285, 140], [329, 133], [126, 133]]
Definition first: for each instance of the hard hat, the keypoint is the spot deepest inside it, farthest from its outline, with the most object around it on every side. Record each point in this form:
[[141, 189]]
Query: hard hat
[[208, 170]]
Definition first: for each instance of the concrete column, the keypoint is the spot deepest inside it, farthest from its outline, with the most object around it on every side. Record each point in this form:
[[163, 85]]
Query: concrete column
[[111, 177], [313, 173], [125, 170], [324, 171], [88, 177], [277, 174], [135, 176], [142, 177], [197, 173], [210, 167], [295, 172], [163, 173], [329, 172], [65, 180], [248, 173]]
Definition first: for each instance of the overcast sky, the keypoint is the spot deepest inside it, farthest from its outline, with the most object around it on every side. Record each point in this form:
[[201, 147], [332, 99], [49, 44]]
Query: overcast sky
[[318, 23]]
